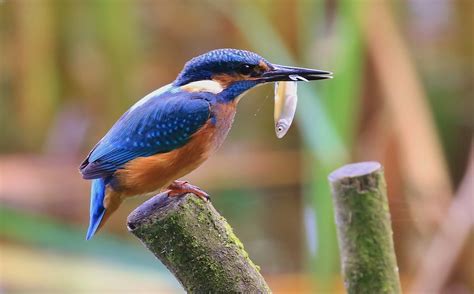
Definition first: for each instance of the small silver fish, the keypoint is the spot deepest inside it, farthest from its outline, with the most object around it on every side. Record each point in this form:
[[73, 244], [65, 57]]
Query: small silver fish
[[285, 106]]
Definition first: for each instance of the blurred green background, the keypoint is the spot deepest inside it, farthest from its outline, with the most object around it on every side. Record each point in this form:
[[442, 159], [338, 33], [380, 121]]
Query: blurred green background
[[402, 94]]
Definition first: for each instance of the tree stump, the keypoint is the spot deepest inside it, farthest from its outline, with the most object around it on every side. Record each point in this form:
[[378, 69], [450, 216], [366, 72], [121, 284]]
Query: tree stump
[[196, 244], [364, 229]]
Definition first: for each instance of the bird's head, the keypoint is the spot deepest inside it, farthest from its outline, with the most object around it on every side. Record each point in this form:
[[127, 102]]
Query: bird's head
[[233, 72]]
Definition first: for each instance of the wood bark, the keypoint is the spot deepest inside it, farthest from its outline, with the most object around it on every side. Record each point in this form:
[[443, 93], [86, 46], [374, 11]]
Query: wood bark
[[196, 244], [364, 229]]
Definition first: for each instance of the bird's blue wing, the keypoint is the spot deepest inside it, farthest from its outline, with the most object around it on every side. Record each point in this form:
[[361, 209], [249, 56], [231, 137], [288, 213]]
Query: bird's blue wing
[[162, 121]]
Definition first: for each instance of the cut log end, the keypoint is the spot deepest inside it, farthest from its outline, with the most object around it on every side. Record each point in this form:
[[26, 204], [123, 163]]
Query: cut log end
[[355, 170]]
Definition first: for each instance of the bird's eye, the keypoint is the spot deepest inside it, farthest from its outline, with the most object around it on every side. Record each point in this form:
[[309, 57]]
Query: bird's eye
[[246, 69]]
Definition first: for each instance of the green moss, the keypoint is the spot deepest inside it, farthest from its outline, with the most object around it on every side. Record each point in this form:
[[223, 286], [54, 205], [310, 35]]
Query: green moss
[[365, 235], [233, 240], [201, 249]]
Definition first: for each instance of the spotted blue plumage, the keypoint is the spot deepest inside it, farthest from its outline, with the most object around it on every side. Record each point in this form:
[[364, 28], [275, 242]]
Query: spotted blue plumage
[[162, 121]]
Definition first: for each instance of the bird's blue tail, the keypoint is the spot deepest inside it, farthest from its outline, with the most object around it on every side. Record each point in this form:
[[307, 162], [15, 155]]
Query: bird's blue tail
[[97, 208]]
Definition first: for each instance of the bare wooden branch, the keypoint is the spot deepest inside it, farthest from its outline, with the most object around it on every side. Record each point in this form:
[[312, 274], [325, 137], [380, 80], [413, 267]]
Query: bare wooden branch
[[196, 244]]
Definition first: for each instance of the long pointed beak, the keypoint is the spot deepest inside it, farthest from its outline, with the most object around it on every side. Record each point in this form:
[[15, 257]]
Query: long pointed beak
[[281, 73]]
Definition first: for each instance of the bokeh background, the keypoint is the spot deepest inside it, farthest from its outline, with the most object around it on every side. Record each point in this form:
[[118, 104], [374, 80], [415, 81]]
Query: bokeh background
[[402, 95]]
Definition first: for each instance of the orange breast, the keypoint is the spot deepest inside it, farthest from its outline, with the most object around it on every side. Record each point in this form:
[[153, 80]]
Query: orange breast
[[145, 175]]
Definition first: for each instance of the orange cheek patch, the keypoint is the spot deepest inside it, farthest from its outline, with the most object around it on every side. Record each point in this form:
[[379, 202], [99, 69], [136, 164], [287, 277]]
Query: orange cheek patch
[[263, 66], [225, 79]]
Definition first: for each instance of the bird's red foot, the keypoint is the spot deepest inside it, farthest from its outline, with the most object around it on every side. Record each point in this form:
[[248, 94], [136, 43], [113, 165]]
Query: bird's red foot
[[179, 188]]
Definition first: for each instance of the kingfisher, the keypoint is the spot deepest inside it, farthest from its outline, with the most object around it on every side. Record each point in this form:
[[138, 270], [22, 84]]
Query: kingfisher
[[173, 130]]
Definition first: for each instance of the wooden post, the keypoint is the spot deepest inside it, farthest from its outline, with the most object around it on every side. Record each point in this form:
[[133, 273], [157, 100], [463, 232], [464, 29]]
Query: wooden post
[[196, 244], [364, 229]]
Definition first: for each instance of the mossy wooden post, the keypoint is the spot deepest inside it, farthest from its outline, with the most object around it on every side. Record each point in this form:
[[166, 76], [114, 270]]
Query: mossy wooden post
[[196, 244], [364, 229]]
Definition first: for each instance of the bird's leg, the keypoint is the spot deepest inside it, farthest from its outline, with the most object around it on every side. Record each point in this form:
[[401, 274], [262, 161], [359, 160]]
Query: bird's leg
[[178, 188]]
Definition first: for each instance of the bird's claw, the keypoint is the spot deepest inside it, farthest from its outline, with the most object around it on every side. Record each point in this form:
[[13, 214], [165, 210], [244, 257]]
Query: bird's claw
[[179, 188]]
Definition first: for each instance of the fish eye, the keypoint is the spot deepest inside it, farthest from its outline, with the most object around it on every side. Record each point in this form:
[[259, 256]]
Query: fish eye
[[280, 126]]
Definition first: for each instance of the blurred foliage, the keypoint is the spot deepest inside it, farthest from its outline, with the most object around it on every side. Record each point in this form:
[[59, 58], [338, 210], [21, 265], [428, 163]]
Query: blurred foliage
[[68, 69]]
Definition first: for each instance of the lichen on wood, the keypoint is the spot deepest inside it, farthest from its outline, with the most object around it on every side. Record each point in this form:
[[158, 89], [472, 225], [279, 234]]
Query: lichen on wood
[[196, 244], [364, 229]]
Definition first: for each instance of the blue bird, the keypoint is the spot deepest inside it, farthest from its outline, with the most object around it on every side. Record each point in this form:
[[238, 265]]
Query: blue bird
[[173, 130]]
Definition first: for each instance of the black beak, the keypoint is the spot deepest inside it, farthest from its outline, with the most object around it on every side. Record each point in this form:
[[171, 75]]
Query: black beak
[[280, 73]]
